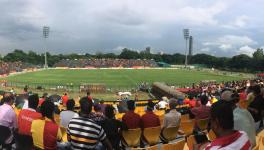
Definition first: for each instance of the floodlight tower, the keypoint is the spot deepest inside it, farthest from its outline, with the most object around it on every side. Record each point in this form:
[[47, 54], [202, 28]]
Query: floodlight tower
[[186, 35], [46, 30]]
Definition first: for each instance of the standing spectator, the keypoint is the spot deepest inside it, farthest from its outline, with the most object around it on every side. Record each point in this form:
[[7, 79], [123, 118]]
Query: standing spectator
[[131, 119], [67, 115], [243, 121], [84, 133], [45, 132], [65, 99], [173, 118], [8, 120], [25, 118], [222, 123], [256, 107], [192, 102], [149, 119], [112, 127]]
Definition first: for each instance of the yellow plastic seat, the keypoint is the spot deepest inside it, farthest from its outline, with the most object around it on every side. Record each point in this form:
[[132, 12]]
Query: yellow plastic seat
[[185, 117], [170, 133], [191, 141], [155, 147], [151, 135], [211, 135], [131, 137], [179, 145], [64, 134], [187, 127], [202, 123]]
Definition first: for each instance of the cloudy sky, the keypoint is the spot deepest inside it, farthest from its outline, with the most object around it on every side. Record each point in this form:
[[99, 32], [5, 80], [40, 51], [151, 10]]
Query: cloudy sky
[[219, 27]]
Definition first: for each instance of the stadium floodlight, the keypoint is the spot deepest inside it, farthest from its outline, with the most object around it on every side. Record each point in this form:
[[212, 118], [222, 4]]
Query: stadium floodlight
[[186, 35], [46, 30]]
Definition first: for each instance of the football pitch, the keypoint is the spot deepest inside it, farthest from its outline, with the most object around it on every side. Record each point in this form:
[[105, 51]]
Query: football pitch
[[118, 77]]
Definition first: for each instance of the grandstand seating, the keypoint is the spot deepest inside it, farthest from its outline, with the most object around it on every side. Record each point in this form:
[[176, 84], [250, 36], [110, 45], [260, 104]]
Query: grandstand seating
[[131, 137], [179, 145], [170, 133], [151, 135]]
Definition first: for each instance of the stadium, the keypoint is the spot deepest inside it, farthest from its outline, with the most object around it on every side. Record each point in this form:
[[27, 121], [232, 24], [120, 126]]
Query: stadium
[[131, 75]]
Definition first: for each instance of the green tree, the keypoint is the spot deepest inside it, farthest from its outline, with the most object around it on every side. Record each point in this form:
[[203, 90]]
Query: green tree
[[258, 54]]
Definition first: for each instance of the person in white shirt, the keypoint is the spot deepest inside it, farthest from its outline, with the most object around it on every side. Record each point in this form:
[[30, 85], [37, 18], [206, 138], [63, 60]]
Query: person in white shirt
[[68, 114], [162, 105]]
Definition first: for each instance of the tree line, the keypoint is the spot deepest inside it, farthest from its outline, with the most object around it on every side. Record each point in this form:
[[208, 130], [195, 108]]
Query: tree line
[[240, 62]]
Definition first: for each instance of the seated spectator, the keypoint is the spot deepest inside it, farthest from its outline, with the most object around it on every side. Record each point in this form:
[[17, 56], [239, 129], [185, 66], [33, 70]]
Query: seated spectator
[[149, 119], [82, 125], [173, 118], [131, 119], [256, 107], [64, 99], [112, 127], [45, 132], [162, 105], [243, 121], [25, 118], [67, 115], [97, 115], [43, 98], [102, 106], [203, 111], [222, 123], [8, 120], [192, 102]]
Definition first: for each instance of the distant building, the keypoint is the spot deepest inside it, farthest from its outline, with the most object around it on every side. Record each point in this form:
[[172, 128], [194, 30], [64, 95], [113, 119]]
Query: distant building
[[147, 50], [191, 46]]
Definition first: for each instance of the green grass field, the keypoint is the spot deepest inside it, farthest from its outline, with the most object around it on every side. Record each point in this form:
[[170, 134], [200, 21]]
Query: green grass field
[[118, 78]]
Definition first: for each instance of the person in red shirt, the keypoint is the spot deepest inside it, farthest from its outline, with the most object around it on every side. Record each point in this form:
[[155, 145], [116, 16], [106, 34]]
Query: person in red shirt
[[131, 119], [89, 96], [25, 118], [192, 102], [42, 99], [149, 119], [65, 99]]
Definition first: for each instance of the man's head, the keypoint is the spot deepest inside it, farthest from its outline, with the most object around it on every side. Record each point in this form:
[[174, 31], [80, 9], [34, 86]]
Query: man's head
[[256, 90], [70, 104], [173, 103], [222, 118], [204, 99], [230, 96], [88, 93], [33, 101], [47, 109], [150, 106], [226, 95], [97, 108], [109, 111], [131, 105], [8, 98], [86, 106]]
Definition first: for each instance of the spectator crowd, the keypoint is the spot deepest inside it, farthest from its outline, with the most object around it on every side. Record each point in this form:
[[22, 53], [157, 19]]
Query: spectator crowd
[[232, 111], [105, 63], [9, 67]]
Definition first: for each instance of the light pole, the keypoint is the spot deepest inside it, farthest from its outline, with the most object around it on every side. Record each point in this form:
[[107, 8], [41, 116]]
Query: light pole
[[186, 37], [46, 30]]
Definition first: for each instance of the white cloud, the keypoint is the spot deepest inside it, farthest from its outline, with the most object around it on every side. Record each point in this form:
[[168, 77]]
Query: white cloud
[[228, 42], [246, 50], [239, 22], [205, 50], [225, 46]]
